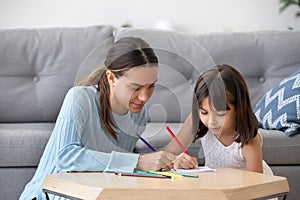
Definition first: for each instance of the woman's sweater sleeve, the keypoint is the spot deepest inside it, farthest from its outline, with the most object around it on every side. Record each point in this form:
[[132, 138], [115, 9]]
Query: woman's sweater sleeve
[[73, 157]]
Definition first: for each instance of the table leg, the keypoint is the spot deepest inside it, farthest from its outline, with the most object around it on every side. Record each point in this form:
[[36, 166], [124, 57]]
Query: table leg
[[46, 194]]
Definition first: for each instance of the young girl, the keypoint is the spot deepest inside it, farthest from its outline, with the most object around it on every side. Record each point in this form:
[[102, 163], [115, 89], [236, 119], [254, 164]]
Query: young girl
[[99, 120], [223, 119]]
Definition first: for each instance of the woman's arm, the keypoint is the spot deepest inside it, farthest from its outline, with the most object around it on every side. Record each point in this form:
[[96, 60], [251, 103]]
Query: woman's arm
[[72, 155], [76, 158], [252, 153], [73, 133]]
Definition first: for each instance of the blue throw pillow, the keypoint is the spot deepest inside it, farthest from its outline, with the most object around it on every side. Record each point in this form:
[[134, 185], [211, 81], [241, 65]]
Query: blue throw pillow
[[280, 107]]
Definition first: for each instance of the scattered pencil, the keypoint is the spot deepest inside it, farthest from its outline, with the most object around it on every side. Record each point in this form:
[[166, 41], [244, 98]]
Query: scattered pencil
[[167, 174], [142, 175]]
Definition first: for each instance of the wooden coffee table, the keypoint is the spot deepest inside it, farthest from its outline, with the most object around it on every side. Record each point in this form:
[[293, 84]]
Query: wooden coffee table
[[222, 184]]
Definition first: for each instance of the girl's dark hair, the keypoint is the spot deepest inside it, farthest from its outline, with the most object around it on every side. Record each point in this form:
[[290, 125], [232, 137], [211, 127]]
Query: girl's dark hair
[[223, 84], [123, 55]]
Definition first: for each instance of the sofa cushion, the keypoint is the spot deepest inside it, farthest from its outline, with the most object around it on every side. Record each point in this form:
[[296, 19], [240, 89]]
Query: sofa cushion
[[274, 143], [39, 66], [279, 149], [280, 107], [258, 56], [22, 145]]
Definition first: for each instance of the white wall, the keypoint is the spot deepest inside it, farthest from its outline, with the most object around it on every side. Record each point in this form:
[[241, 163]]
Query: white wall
[[190, 16]]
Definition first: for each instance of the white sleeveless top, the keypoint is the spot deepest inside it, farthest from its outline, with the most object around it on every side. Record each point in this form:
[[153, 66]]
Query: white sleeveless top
[[218, 155]]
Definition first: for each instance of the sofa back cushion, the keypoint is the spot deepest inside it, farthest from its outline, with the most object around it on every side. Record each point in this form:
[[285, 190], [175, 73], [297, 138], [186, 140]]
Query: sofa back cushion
[[38, 66], [263, 58]]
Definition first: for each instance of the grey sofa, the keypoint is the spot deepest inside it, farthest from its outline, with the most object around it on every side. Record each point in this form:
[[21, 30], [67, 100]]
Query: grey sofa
[[38, 66]]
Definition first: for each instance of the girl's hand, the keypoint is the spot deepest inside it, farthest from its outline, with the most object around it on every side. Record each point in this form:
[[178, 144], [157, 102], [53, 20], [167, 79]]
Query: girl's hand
[[185, 161], [161, 160]]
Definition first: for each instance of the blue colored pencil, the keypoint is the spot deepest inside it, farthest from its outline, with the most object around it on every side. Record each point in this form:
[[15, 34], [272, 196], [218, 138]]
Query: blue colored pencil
[[149, 145]]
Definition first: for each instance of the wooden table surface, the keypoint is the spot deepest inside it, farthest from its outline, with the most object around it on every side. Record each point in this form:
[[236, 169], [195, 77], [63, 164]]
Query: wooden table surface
[[222, 184]]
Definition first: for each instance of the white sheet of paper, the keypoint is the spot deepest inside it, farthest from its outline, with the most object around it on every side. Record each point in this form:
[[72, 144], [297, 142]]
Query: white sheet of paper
[[196, 170]]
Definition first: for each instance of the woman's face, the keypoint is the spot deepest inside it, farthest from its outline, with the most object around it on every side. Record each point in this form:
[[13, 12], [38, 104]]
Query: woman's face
[[218, 122], [132, 90]]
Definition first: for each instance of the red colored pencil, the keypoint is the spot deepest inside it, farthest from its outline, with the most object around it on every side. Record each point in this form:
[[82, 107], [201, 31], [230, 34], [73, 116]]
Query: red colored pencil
[[174, 136]]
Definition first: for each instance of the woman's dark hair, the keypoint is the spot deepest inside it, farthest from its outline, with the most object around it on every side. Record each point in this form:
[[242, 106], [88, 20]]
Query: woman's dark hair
[[223, 84], [123, 55]]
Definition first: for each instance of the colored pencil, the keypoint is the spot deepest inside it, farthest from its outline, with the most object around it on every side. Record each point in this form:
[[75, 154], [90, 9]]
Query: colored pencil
[[190, 175], [166, 174], [142, 175], [149, 145], [176, 139]]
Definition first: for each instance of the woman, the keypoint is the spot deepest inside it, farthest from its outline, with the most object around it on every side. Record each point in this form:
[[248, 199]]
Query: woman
[[100, 119]]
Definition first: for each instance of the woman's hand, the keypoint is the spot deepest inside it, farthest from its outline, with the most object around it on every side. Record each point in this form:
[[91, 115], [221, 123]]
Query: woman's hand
[[161, 160], [185, 161]]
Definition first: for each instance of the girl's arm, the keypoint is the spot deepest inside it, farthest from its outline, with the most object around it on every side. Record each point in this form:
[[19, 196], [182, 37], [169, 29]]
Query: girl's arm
[[185, 137], [252, 153]]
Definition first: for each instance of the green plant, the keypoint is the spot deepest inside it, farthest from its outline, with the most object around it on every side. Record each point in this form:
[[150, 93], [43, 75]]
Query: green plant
[[287, 3]]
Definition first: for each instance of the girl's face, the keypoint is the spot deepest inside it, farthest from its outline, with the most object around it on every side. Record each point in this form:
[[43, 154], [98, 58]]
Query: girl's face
[[218, 122], [132, 90]]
